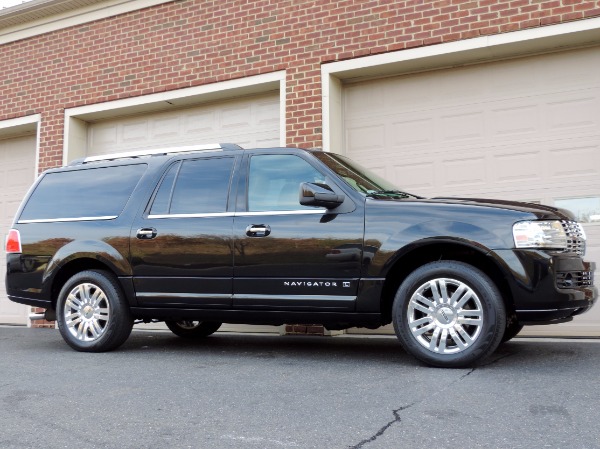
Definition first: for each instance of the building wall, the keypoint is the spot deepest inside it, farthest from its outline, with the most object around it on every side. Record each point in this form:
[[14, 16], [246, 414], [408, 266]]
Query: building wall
[[191, 43]]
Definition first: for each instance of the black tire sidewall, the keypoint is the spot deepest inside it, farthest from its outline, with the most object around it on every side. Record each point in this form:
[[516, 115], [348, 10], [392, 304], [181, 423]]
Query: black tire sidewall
[[494, 318], [120, 322]]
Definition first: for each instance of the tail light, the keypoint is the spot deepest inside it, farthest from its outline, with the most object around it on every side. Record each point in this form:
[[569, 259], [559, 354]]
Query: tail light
[[13, 242]]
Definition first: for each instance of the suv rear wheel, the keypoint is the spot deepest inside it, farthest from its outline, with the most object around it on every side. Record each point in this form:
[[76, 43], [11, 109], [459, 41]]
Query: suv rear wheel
[[193, 329], [449, 314], [92, 313]]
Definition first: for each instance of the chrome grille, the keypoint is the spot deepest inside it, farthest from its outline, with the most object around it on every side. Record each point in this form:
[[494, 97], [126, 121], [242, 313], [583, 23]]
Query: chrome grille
[[575, 237]]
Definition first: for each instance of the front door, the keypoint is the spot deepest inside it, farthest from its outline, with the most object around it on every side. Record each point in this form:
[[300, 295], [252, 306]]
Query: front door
[[182, 246], [288, 256]]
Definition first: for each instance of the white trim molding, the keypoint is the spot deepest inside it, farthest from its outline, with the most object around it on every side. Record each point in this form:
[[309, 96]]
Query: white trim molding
[[76, 119], [452, 54]]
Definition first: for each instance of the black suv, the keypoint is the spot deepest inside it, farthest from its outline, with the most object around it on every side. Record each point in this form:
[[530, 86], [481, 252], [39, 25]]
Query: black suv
[[198, 236]]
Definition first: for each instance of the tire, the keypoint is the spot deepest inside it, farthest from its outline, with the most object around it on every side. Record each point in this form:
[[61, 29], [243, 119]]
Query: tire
[[512, 328], [92, 312], [449, 314], [193, 329]]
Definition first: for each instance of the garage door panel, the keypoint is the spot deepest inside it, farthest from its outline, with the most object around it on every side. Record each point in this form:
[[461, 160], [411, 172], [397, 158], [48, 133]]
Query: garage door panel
[[463, 173], [249, 121], [514, 121], [574, 113], [411, 131], [17, 165], [462, 125], [526, 129], [366, 139]]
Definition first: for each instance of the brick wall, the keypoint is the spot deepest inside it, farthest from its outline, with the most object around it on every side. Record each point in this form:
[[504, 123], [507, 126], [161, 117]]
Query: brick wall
[[192, 42]]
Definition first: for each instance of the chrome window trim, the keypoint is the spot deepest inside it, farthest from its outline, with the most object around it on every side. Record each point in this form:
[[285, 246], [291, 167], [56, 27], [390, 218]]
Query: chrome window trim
[[241, 214], [56, 220], [214, 215], [282, 212]]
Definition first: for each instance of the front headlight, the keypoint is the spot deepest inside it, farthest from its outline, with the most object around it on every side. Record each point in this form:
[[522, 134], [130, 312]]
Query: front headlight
[[540, 234]]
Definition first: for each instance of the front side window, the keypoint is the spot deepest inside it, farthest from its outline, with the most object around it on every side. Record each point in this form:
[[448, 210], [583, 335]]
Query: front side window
[[198, 186], [274, 182]]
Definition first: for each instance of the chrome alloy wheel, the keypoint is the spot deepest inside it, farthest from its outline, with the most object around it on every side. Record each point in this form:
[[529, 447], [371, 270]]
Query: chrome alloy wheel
[[445, 316], [87, 312]]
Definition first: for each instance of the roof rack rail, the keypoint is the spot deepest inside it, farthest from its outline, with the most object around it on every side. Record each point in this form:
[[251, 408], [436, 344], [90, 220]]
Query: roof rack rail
[[158, 151]]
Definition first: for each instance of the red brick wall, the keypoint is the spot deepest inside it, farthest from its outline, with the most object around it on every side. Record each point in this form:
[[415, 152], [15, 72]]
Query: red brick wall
[[192, 42]]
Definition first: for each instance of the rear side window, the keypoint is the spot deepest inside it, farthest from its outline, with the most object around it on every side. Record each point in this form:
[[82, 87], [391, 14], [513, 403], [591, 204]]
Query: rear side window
[[198, 186], [83, 194]]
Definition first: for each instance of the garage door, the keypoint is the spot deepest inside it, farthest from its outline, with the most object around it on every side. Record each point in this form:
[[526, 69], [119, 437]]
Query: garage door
[[525, 129], [17, 173], [250, 122]]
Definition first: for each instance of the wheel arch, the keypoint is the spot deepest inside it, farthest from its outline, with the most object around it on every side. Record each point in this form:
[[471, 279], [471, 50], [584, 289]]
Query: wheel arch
[[424, 253], [74, 266]]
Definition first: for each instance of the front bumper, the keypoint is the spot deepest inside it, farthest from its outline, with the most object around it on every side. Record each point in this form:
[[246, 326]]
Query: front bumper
[[548, 287]]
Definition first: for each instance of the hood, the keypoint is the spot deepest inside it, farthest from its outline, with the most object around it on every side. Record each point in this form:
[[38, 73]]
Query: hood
[[540, 210]]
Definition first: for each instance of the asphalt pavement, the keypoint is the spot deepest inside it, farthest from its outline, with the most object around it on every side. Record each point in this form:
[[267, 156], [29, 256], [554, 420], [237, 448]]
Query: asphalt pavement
[[267, 391]]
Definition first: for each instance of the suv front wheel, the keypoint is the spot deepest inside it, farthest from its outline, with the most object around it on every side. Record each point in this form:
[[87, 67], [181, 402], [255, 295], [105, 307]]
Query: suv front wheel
[[92, 312], [449, 314]]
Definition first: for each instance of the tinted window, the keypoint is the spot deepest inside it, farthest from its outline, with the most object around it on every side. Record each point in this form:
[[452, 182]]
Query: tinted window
[[162, 200], [200, 187], [93, 192], [275, 179]]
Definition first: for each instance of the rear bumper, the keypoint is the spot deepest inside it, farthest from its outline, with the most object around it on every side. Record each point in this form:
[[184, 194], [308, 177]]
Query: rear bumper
[[547, 287]]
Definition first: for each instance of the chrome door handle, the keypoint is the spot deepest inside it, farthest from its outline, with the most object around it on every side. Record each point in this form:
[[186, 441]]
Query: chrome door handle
[[260, 230], [146, 233]]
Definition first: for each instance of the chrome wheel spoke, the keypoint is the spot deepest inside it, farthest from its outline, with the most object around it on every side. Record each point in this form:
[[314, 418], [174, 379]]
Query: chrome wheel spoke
[[423, 300], [442, 346], [421, 321], [443, 292], [434, 291], [420, 308], [421, 330], [73, 302]]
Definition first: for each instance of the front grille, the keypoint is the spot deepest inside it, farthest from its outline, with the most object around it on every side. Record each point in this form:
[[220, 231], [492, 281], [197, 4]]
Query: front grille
[[574, 279], [575, 237]]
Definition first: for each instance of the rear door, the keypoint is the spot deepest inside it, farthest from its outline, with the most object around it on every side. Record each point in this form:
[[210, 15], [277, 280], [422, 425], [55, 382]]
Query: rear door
[[288, 256], [182, 246]]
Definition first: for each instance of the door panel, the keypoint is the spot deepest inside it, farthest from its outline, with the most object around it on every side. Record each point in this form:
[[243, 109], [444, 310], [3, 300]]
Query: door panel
[[289, 256], [182, 250]]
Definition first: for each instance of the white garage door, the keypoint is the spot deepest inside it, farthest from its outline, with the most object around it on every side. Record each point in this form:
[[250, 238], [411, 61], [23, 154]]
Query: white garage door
[[17, 173], [249, 122], [525, 129]]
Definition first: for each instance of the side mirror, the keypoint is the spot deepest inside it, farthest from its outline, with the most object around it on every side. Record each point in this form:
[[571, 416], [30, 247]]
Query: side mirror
[[320, 195]]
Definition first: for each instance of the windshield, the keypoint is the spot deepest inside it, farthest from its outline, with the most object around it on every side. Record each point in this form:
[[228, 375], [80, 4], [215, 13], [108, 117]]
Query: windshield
[[359, 178]]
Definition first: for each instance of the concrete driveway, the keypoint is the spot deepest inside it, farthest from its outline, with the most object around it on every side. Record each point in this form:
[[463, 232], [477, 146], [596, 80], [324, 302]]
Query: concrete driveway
[[265, 391]]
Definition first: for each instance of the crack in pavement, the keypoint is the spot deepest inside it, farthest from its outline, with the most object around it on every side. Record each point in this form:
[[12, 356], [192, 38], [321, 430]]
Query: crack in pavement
[[396, 412], [386, 427]]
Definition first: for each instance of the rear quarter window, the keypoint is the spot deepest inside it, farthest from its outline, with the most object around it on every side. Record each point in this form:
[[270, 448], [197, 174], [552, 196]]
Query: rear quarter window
[[89, 193]]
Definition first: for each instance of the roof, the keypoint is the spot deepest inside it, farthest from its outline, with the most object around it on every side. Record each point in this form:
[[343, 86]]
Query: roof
[[30, 10]]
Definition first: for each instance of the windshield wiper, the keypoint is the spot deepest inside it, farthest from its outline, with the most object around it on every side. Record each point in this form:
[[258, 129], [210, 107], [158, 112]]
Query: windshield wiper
[[388, 193]]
